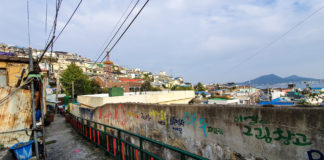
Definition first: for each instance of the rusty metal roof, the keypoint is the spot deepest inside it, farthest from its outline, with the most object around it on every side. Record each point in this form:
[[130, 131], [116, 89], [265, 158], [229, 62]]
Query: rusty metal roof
[[4, 58]]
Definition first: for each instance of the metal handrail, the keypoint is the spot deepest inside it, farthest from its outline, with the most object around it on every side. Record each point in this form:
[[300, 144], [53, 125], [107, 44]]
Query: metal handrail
[[180, 151]]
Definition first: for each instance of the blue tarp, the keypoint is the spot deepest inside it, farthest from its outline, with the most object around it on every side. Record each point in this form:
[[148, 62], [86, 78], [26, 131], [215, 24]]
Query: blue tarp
[[279, 100], [7, 53], [200, 92], [277, 103]]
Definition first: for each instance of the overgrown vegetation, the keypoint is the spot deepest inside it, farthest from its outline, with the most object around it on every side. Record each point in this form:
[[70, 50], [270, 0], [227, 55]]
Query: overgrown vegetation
[[146, 86], [175, 88], [200, 87], [82, 83]]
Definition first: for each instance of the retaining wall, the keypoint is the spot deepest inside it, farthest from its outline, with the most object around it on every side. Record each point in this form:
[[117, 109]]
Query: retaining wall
[[159, 97], [222, 131]]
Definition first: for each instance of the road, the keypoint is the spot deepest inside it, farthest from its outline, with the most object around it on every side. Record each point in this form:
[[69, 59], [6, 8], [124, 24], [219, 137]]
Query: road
[[67, 144]]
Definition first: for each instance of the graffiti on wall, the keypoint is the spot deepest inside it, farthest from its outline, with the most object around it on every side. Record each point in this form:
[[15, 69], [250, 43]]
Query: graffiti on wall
[[118, 115], [159, 115], [251, 119], [215, 130], [145, 117], [174, 121], [315, 155], [132, 114], [190, 120], [177, 129], [264, 133]]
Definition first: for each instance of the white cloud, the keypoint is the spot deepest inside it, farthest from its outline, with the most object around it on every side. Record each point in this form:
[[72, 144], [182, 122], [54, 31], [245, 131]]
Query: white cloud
[[177, 34]]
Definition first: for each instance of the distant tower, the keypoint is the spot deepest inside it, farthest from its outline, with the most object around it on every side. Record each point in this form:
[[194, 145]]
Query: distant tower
[[108, 72]]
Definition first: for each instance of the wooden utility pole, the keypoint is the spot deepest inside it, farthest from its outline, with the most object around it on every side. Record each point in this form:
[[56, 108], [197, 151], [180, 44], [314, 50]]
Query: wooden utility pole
[[58, 82], [72, 89]]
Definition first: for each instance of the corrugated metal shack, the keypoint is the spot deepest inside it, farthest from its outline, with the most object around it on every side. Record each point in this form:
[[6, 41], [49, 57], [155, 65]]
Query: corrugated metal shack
[[16, 99], [15, 114]]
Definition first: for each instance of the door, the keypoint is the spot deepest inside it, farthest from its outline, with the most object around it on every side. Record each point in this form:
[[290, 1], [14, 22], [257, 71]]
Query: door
[[3, 77]]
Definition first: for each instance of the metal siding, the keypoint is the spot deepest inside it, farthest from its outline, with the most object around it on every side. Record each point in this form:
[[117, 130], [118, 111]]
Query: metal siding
[[15, 114]]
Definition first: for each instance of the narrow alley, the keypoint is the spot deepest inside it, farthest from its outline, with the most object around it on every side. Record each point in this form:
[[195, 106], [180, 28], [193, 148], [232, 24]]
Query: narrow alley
[[63, 143]]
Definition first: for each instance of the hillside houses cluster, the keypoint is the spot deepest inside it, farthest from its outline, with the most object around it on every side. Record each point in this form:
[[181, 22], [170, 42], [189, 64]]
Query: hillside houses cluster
[[236, 94], [129, 79]]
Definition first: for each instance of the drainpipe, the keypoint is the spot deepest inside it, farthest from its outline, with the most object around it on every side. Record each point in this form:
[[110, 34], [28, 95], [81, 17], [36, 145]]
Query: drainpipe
[[31, 68]]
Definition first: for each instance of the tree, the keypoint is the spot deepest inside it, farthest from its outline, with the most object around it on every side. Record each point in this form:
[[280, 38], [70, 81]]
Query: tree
[[199, 87], [82, 83], [146, 86], [178, 88]]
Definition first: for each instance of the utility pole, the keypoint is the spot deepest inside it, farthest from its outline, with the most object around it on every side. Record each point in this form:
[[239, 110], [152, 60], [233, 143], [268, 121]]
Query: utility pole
[[31, 68], [58, 81], [72, 89]]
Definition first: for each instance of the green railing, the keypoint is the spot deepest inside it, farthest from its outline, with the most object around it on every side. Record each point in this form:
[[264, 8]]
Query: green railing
[[116, 144]]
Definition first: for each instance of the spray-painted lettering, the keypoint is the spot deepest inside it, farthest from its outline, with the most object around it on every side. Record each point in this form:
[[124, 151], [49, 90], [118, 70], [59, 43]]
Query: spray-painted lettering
[[175, 121], [215, 130], [251, 119], [277, 135], [315, 155], [178, 129], [160, 115], [132, 114], [146, 117], [191, 120]]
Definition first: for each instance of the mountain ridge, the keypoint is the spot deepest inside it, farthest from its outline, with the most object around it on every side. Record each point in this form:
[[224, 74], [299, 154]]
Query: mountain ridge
[[274, 79]]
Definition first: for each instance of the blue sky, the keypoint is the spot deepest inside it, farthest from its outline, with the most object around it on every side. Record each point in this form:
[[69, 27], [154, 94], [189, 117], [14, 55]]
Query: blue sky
[[199, 40]]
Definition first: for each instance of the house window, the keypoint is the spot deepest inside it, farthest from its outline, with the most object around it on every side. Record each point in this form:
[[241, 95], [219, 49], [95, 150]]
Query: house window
[[3, 77]]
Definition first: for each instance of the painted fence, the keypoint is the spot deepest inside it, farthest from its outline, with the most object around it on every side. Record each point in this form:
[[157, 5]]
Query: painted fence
[[221, 131], [118, 146]]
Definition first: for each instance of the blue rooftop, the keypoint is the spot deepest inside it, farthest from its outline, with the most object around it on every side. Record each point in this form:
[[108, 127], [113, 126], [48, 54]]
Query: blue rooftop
[[201, 92], [277, 103]]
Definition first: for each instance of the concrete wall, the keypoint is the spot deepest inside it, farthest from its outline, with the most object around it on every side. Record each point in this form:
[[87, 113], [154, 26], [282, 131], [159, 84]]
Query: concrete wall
[[13, 71], [151, 97], [223, 131]]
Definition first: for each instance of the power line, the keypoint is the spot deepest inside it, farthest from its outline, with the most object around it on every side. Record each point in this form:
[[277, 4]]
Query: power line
[[68, 20], [58, 5], [112, 31], [126, 28], [15, 90], [103, 51], [115, 27], [46, 6], [277, 39], [53, 28], [28, 23]]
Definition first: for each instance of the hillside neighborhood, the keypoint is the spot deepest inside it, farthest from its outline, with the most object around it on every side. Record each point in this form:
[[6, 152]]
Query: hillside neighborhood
[[172, 80], [133, 80]]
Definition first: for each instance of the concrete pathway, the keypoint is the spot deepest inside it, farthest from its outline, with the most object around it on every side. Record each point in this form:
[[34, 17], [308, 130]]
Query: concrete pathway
[[69, 144]]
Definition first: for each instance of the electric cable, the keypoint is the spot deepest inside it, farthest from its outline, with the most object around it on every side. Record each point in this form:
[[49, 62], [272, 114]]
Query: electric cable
[[28, 23], [46, 10], [115, 27], [57, 8], [68, 20], [15, 90], [277, 39], [126, 29], [131, 11]]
